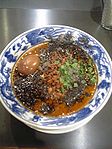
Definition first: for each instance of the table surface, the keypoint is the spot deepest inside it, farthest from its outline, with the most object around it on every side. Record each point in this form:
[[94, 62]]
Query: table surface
[[97, 134]]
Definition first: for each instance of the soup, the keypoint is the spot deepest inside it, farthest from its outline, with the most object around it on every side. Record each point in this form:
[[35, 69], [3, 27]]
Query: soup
[[55, 78]]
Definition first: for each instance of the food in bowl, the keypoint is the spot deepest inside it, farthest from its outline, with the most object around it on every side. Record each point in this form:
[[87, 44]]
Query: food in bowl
[[34, 38], [55, 78]]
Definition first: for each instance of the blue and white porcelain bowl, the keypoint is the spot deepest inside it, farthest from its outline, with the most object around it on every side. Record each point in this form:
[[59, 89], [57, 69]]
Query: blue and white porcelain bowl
[[35, 36]]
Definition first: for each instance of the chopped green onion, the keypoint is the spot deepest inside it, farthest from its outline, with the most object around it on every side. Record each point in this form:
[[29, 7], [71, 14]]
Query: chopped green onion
[[75, 84], [57, 62]]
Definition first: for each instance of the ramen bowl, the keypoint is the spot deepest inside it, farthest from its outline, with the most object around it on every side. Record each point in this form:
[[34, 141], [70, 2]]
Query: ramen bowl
[[66, 123]]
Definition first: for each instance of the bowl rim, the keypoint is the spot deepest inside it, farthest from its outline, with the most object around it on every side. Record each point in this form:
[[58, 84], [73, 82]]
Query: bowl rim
[[56, 127]]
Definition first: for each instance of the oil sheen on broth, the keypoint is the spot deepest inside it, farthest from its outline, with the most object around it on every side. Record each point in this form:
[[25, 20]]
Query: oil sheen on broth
[[55, 78]]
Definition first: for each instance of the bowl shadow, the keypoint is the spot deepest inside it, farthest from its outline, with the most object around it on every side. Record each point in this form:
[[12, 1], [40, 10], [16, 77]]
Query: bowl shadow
[[24, 136], [27, 137]]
